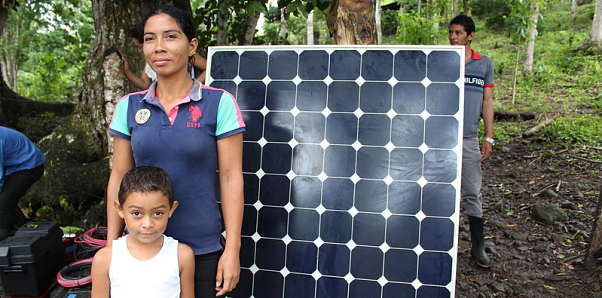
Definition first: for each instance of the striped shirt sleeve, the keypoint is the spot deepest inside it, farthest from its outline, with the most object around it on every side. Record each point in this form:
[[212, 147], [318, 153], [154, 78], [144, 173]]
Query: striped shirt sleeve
[[229, 117], [119, 124]]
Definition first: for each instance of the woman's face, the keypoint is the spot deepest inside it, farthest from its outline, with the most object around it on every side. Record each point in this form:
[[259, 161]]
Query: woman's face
[[166, 47]]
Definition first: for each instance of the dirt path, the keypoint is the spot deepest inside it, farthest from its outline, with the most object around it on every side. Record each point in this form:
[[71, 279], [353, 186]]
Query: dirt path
[[532, 259]]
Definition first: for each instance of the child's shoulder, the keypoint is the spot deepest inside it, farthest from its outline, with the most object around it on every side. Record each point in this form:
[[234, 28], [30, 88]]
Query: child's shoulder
[[185, 253], [184, 249], [103, 254]]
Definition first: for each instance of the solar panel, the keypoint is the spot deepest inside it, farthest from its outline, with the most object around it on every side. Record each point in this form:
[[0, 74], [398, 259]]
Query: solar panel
[[351, 162]]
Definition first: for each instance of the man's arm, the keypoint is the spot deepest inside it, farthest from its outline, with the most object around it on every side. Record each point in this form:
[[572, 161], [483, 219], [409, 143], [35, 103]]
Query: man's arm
[[487, 115]]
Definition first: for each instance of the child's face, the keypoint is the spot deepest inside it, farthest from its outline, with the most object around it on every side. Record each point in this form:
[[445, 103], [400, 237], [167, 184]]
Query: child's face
[[146, 215], [138, 45]]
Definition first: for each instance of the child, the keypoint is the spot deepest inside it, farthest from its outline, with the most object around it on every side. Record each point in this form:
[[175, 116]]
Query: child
[[144, 263]]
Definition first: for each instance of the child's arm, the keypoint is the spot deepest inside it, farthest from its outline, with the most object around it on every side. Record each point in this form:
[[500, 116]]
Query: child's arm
[[142, 82], [201, 63], [186, 263], [101, 286]]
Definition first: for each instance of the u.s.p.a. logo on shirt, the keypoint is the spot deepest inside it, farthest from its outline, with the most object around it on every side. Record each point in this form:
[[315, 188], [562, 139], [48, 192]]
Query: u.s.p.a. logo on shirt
[[195, 116]]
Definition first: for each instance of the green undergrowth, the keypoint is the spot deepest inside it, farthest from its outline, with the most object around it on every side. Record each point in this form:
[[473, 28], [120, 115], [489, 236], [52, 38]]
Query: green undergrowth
[[566, 81], [575, 129]]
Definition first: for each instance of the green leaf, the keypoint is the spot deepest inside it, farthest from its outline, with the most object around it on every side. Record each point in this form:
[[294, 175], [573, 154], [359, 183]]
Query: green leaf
[[255, 7], [71, 230]]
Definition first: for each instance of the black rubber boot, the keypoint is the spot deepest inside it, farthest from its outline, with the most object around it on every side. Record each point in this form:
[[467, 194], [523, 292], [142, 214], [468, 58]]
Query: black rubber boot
[[477, 236]]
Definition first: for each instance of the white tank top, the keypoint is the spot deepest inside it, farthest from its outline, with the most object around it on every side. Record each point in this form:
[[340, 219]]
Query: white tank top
[[150, 73], [158, 277]]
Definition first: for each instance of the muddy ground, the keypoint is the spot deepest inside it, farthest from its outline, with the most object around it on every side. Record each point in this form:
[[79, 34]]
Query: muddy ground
[[531, 259]]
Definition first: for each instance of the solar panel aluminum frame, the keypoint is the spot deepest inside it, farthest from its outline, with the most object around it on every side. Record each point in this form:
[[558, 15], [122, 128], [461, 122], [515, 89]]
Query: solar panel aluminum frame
[[296, 178]]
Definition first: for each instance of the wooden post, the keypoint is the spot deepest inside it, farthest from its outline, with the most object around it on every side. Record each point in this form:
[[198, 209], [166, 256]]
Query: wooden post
[[596, 238]]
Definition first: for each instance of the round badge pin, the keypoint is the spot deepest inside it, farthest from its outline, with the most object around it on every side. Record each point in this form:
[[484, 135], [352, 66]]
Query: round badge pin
[[142, 116]]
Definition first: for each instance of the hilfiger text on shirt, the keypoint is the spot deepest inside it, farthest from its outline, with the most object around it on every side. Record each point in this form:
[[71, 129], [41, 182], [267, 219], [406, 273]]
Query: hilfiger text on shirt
[[474, 81]]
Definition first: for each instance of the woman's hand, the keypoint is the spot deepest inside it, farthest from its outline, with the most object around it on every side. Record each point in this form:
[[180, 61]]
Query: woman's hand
[[228, 272]]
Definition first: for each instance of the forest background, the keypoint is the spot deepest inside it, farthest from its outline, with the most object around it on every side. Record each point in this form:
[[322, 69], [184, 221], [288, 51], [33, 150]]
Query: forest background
[[547, 65]]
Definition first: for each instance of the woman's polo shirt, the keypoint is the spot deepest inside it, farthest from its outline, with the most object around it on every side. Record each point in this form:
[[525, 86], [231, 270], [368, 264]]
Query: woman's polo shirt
[[185, 146]]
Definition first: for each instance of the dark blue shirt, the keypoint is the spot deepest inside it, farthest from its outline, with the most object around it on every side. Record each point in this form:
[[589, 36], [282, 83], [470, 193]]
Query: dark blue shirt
[[17, 153], [185, 146]]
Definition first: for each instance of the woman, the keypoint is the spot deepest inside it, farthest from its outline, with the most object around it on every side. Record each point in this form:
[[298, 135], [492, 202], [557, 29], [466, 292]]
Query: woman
[[191, 131]]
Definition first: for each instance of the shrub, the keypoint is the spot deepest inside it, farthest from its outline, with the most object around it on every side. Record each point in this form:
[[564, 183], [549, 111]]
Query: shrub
[[415, 29]]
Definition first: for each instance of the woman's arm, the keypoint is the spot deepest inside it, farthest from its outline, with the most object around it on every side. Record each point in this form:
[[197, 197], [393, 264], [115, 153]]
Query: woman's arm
[[142, 82], [229, 152], [123, 161]]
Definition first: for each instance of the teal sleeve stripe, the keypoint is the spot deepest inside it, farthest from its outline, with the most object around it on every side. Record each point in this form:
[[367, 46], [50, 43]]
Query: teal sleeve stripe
[[120, 117], [229, 117]]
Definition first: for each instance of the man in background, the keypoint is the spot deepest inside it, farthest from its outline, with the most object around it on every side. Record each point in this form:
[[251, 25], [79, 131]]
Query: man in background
[[478, 103], [21, 165]]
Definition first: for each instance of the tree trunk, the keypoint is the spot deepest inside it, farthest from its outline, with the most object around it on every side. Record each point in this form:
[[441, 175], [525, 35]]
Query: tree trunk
[[519, 116], [530, 42], [3, 18], [283, 24], [596, 36], [248, 32], [9, 66], [454, 8], [222, 24], [3, 87], [9, 70], [78, 151], [435, 16], [310, 28], [574, 5], [515, 75], [378, 21], [113, 21], [352, 22]]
